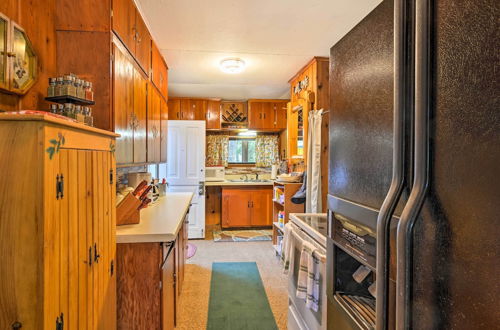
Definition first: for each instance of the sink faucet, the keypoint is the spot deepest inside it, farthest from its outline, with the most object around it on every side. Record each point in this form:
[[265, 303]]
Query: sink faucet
[[256, 176]]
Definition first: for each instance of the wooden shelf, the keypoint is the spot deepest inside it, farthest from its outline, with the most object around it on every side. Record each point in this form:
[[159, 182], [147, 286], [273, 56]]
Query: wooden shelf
[[288, 189], [69, 99]]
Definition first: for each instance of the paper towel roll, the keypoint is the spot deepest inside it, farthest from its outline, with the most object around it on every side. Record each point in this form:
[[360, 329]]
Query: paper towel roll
[[274, 172]]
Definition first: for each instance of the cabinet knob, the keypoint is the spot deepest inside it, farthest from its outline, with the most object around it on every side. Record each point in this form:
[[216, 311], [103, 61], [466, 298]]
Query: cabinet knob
[[16, 325]]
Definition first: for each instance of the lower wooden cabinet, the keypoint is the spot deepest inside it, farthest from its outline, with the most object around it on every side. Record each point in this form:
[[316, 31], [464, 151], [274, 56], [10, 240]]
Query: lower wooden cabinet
[[150, 277], [57, 228], [246, 206]]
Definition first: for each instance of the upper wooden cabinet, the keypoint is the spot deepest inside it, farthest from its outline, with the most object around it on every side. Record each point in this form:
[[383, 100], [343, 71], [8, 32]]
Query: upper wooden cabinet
[[193, 109], [174, 109], [213, 114], [159, 70], [266, 114], [131, 29], [163, 130], [130, 110], [62, 249], [246, 207], [154, 126], [187, 109]]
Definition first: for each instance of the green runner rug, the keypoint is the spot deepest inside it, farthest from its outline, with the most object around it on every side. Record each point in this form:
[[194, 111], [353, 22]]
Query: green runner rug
[[238, 299]]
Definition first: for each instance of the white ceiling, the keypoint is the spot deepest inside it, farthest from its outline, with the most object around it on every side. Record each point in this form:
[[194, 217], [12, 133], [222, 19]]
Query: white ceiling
[[274, 37]]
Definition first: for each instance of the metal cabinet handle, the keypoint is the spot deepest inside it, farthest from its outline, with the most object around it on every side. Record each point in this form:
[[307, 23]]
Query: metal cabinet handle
[[96, 255], [398, 165], [404, 240]]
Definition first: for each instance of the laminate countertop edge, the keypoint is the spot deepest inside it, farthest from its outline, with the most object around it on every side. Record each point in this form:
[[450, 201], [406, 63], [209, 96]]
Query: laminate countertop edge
[[160, 222]]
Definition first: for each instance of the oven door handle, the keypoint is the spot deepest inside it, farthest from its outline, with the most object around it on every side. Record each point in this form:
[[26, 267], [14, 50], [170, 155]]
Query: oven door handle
[[404, 241], [401, 104]]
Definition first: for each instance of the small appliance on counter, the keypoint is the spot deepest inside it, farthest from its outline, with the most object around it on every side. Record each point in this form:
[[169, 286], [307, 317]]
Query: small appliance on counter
[[134, 178], [215, 173]]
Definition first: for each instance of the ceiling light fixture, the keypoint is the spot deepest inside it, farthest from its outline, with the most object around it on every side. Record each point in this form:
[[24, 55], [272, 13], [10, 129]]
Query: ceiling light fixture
[[232, 65]]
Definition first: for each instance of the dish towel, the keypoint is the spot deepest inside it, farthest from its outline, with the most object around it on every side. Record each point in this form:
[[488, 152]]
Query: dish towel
[[287, 247], [308, 279]]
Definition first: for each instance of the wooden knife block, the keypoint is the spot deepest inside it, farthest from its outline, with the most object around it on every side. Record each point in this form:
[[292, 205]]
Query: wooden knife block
[[127, 212]]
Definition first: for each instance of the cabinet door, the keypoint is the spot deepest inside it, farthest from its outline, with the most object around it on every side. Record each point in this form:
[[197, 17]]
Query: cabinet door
[[193, 109], [168, 289], [255, 119], [123, 96], [159, 70], [174, 109], [140, 114], [280, 115], [213, 115], [267, 115], [154, 119], [163, 130], [143, 43], [52, 250], [236, 208], [124, 22], [261, 207]]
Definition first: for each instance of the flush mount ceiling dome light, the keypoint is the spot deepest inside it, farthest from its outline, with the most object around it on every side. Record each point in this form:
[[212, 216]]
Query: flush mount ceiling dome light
[[232, 65]]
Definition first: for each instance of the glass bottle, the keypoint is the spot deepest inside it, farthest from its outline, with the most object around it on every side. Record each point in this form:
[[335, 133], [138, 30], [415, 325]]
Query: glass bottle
[[51, 90]]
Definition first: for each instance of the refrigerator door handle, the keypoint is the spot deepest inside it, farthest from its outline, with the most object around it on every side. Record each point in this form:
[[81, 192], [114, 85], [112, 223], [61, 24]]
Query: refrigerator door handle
[[401, 104], [404, 241]]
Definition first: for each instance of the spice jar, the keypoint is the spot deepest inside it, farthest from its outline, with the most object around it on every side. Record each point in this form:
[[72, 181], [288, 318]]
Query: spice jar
[[51, 90], [59, 86], [53, 108], [60, 109], [78, 87], [69, 110], [89, 93], [89, 120], [79, 114]]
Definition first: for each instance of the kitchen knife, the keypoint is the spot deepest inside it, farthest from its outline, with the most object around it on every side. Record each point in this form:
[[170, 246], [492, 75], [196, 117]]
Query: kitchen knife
[[145, 193], [139, 188]]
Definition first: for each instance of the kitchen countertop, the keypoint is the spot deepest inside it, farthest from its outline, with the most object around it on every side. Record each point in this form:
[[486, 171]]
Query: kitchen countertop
[[239, 183], [160, 222]]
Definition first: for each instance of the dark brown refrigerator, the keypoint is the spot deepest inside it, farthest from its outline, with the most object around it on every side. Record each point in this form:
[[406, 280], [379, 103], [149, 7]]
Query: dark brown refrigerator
[[414, 199]]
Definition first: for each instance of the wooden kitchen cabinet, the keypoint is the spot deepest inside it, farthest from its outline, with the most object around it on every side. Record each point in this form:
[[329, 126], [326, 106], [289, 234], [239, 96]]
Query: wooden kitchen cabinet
[[174, 109], [266, 114], [213, 114], [132, 31], [58, 257], [159, 70], [193, 109], [246, 206], [130, 109], [149, 281], [154, 126], [163, 130]]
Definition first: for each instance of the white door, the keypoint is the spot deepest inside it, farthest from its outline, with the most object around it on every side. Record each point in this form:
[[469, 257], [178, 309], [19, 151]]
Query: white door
[[196, 211], [186, 168], [186, 152]]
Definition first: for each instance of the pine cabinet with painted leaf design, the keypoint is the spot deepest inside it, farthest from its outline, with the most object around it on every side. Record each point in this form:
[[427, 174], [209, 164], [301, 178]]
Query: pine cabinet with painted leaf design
[[57, 228]]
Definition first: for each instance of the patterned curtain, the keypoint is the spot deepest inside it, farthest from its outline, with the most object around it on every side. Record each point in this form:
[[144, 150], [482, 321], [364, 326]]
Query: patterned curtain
[[266, 150], [217, 150]]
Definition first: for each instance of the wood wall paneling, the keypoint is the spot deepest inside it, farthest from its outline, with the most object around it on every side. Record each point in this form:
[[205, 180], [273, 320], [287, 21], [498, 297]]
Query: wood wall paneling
[[37, 18], [95, 68], [88, 15], [213, 205]]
